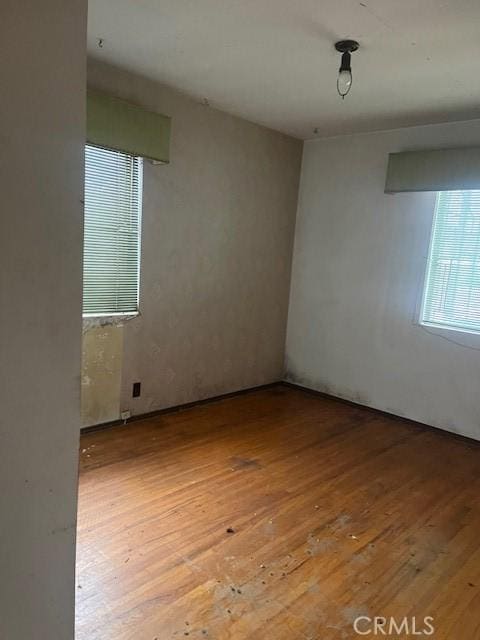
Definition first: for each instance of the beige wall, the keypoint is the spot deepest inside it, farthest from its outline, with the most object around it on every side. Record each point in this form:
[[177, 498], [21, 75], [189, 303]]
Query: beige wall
[[218, 226], [42, 76], [359, 264]]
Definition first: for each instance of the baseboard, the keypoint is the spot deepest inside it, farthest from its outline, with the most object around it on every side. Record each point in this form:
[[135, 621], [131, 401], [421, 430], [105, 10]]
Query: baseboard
[[421, 425], [270, 385], [176, 408]]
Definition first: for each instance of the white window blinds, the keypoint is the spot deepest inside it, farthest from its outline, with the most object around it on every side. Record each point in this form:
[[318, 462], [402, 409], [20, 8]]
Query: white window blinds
[[113, 203], [452, 288]]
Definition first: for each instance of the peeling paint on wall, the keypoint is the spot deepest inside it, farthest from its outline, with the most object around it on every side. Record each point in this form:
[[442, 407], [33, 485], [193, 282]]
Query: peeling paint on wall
[[102, 356]]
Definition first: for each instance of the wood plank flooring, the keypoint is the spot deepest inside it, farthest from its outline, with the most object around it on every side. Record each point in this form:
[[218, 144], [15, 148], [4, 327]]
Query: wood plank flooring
[[337, 512]]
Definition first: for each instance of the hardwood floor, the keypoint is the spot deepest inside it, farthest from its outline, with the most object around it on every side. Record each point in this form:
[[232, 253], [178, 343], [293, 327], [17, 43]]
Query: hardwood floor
[[337, 512]]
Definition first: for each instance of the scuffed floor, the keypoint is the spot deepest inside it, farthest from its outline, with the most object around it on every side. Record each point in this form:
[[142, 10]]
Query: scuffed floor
[[334, 512]]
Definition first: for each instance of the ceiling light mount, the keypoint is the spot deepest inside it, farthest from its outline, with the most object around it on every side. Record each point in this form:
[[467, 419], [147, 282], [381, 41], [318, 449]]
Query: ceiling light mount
[[344, 80]]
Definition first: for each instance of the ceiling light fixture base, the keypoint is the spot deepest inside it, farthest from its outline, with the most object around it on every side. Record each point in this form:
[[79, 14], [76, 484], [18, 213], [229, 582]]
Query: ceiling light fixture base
[[345, 46]]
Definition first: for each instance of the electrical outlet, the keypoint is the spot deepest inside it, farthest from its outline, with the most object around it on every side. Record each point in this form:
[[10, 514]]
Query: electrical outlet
[[136, 389]]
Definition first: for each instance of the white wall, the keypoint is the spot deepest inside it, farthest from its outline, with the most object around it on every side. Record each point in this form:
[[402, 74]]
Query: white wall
[[42, 77], [217, 238], [359, 263]]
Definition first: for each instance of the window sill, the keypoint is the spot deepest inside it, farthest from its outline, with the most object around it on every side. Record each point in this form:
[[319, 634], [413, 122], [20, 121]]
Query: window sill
[[109, 319], [467, 338], [450, 327]]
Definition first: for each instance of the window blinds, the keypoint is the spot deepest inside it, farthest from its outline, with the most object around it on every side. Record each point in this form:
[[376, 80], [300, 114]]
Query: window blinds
[[452, 292], [113, 194]]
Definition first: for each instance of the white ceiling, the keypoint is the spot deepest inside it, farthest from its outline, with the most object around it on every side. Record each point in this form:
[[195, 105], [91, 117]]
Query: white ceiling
[[273, 61]]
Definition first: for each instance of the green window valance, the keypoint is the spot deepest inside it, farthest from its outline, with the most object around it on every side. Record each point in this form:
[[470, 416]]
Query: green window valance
[[116, 124], [434, 170]]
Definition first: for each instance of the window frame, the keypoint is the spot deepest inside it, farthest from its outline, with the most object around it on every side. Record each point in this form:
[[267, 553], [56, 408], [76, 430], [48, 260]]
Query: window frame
[[456, 328], [120, 315]]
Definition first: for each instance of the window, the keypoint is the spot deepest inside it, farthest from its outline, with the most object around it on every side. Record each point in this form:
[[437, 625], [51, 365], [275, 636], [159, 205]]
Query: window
[[452, 287], [113, 204]]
